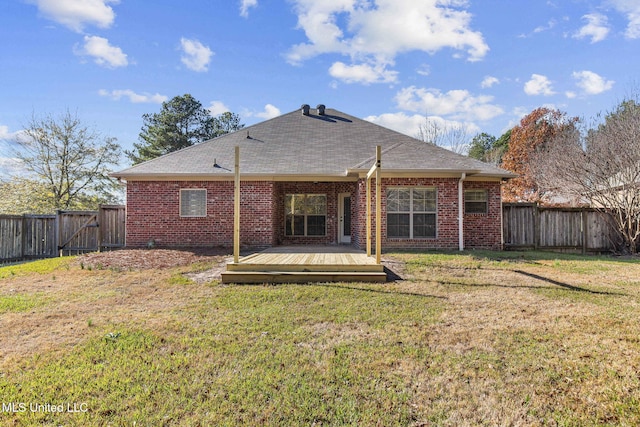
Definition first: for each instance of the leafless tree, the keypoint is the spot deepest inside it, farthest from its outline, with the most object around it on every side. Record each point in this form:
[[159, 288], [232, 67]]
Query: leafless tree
[[70, 160], [599, 164], [450, 135]]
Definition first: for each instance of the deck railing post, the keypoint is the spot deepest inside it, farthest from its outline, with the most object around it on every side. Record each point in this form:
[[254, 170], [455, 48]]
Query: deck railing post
[[236, 208]]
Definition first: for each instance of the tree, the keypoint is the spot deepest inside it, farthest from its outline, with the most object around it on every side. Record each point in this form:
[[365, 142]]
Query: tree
[[69, 163], [534, 131], [182, 122], [481, 145], [450, 135], [499, 148], [600, 165]]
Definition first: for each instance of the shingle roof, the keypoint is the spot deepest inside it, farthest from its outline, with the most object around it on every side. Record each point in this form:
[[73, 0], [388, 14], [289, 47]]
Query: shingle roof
[[294, 144]]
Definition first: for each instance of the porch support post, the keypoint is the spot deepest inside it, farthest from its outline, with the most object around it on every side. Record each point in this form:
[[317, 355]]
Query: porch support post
[[236, 208], [378, 205], [461, 212], [368, 216]]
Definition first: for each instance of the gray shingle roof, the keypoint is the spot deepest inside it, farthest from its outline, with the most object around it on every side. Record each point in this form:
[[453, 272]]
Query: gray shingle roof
[[297, 145]]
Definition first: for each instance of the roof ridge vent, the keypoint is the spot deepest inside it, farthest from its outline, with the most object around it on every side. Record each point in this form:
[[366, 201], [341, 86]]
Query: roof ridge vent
[[321, 108], [305, 109]]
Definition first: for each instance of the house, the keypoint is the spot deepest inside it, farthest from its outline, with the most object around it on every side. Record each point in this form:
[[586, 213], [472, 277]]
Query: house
[[303, 181]]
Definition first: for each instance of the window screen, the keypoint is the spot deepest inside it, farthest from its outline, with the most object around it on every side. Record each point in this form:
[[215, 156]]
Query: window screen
[[193, 202]]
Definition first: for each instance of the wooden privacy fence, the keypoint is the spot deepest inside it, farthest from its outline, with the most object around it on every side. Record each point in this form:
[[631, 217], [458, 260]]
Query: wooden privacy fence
[[529, 226], [44, 236]]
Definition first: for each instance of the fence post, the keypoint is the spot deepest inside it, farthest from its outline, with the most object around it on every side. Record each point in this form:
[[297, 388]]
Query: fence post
[[536, 226], [583, 230], [23, 226], [100, 218], [57, 233]]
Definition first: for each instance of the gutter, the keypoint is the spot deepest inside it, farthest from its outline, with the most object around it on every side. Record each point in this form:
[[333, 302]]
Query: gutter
[[461, 211]]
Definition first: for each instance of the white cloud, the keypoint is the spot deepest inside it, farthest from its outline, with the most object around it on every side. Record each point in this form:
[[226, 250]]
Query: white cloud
[[424, 70], [458, 104], [217, 107], [102, 52], [245, 5], [538, 85], [552, 23], [631, 8], [362, 73], [374, 32], [570, 94], [597, 28], [134, 97], [410, 124], [76, 14], [591, 83], [196, 56], [270, 111], [489, 81], [400, 122], [5, 134]]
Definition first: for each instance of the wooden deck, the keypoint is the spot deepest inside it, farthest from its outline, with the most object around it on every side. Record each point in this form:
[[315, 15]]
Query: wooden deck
[[304, 264]]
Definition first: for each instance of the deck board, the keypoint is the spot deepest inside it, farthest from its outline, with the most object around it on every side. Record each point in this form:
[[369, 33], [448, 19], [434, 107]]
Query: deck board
[[305, 264]]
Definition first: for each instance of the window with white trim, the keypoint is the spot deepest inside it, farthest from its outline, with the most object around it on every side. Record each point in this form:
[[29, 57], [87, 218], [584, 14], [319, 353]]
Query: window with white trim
[[475, 201], [411, 213], [193, 202], [305, 214]]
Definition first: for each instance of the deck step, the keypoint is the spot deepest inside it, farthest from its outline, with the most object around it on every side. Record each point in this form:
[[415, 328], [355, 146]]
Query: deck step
[[301, 276], [307, 268]]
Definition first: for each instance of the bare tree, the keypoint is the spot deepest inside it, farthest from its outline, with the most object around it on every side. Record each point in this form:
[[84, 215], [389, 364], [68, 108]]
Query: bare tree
[[70, 160], [451, 135], [600, 165]]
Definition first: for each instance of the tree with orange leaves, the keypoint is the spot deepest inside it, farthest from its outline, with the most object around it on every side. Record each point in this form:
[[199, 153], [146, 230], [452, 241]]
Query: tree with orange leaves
[[533, 132]]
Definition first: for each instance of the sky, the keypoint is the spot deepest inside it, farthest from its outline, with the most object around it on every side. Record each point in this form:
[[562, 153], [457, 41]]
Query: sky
[[477, 64]]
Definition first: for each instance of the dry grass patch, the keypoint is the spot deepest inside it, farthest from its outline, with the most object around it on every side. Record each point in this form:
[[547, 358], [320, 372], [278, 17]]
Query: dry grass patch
[[478, 338]]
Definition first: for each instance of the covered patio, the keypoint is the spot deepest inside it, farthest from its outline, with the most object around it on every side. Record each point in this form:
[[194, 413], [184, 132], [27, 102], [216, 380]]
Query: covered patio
[[309, 263]]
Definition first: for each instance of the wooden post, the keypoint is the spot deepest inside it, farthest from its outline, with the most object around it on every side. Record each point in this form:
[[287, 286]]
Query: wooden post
[[368, 216], [236, 209], [378, 204]]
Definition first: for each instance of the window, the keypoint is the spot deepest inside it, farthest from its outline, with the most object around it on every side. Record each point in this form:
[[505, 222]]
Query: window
[[411, 213], [475, 201], [305, 214], [193, 203]]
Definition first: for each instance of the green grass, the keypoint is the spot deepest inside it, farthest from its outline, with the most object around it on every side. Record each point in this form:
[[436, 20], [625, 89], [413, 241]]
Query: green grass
[[19, 302], [286, 355], [43, 266], [479, 338]]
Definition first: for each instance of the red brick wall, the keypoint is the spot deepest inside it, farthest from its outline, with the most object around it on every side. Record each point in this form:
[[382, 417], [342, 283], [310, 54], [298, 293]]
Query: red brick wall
[[481, 231], [484, 231], [331, 189], [153, 212]]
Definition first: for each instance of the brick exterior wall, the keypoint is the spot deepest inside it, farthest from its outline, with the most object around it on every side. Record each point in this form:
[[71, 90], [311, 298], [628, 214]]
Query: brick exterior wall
[[481, 230], [484, 231], [331, 189], [153, 212]]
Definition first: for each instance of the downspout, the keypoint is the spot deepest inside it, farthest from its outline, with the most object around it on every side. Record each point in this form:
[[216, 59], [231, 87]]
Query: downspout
[[461, 212]]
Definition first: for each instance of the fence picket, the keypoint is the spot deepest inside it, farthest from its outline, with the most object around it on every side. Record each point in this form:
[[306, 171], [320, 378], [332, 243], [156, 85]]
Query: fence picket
[[43, 236]]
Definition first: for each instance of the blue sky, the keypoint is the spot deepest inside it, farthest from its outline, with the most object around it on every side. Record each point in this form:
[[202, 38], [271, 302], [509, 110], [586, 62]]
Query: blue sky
[[482, 64]]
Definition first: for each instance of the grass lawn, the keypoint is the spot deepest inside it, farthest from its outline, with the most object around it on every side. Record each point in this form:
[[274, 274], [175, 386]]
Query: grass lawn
[[479, 338]]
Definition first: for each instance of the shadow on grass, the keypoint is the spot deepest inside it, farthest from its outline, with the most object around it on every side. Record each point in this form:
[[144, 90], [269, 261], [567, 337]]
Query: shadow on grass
[[565, 285], [524, 256], [375, 291]]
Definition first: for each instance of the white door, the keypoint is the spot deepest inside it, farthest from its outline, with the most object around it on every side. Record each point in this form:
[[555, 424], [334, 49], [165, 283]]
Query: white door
[[344, 217]]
